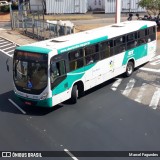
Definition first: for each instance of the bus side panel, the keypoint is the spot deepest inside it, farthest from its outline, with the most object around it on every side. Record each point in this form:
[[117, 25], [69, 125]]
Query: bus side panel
[[151, 50], [62, 92], [145, 53], [99, 72], [61, 97], [139, 54], [118, 67]]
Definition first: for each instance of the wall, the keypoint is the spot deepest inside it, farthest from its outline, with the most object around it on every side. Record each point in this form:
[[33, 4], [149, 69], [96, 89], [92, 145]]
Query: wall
[[96, 5], [127, 5], [66, 6]]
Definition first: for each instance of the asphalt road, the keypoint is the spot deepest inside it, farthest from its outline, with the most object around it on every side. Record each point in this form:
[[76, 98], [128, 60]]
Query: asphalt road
[[105, 119]]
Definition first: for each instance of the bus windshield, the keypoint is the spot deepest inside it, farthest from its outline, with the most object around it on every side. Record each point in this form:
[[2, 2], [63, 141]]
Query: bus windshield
[[30, 74]]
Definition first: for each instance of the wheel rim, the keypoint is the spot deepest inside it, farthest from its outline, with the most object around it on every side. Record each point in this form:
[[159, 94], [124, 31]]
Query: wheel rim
[[129, 69], [77, 93]]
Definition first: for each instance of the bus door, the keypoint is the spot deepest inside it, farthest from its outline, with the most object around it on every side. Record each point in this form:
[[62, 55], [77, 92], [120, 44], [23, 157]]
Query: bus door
[[58, 79]]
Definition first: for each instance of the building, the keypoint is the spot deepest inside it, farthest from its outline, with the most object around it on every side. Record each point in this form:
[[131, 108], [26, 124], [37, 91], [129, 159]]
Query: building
[[109, 6], [96, 5], [82, 6], [60, 6]]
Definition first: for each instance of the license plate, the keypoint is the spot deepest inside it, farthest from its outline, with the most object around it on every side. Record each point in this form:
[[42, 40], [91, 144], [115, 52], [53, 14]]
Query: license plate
[[28, 103]]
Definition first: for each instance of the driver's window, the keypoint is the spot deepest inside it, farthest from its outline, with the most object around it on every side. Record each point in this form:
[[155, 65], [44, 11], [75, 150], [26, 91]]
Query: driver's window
[[57, 70]]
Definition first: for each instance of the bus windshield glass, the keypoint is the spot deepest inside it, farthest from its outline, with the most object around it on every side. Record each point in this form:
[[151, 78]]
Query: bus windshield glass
[[30, 71]]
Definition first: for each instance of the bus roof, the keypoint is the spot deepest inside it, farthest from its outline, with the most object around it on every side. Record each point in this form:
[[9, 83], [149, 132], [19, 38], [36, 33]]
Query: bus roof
[[81, 39]]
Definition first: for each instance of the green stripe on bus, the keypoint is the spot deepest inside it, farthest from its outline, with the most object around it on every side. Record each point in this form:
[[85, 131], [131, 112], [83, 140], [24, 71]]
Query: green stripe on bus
[[143, 27], [135, 53], [82, 44], [34, 49], [71, 78], [45, 103]]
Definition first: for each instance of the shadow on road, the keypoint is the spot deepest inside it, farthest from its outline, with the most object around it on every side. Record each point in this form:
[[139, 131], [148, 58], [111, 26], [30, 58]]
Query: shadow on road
[[7, 106]]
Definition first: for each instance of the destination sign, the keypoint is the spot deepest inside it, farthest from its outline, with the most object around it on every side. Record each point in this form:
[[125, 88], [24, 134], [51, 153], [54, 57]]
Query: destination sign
[[31, 56]]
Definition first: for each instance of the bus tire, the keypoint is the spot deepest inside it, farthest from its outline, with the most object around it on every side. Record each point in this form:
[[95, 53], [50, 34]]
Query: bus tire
[[74, 95], [129, 69]]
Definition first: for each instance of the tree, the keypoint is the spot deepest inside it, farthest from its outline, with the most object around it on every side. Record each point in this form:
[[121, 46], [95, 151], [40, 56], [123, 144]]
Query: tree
[[152, 6]]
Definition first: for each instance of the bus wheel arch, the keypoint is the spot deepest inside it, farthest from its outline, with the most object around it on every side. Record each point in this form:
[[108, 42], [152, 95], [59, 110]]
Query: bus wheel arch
[[130, 67], [77, 91]]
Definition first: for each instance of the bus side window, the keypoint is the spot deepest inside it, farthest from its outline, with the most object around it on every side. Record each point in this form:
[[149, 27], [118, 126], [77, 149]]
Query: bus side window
[[141, 41], [105, 49], [57, 69], [76, 59], [142, 33], [91, 54], [120, 44], [131, 36], [131, 44], [131, 40], [152, 34]]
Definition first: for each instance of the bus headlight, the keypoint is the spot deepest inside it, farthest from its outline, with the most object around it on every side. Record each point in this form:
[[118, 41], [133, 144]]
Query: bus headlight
[[44, 96]]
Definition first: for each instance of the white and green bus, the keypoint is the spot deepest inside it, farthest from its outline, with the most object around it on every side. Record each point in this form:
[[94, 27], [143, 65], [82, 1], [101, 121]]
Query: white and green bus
[[49, 72]]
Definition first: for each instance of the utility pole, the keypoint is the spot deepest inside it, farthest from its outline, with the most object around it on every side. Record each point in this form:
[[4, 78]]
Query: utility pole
[[118, 11], [10, 11]]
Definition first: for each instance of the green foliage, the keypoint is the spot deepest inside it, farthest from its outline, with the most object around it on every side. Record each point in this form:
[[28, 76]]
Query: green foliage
[[4, 8], [151, 6]]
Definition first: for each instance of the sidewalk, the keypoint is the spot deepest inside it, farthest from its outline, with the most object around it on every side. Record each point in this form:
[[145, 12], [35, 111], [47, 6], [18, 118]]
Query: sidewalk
[[4, 17], [11, 35], [16, 37]]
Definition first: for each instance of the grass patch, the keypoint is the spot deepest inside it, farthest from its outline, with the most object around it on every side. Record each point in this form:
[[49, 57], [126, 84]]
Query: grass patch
[[69, 17]]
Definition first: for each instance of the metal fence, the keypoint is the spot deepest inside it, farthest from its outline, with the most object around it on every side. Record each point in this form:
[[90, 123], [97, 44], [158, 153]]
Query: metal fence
[[32, 26]]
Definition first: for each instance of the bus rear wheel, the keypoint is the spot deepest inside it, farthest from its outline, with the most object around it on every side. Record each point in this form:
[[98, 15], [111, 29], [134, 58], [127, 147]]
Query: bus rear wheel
[[74, 95], [129, 69]]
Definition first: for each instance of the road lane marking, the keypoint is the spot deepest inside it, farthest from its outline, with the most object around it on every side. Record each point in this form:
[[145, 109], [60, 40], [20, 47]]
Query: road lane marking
[[10, 41], [20, 109], [155, 63], [155, 58], [129, 87], [8, 48], [4, 42], [141, 92], [116, 84], [70, 154], [150, 70], [10, 55], [11, 51], [155, 99], [6, 45]]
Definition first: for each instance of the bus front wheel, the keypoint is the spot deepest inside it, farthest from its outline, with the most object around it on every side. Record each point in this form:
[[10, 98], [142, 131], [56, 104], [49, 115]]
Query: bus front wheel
[[129, 69], [74, 95]]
